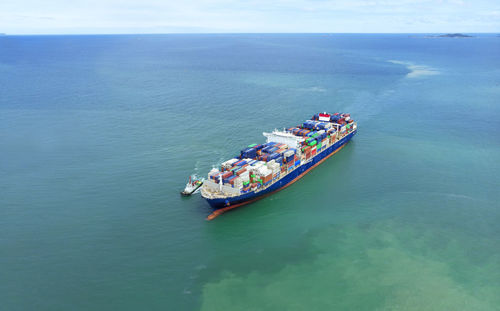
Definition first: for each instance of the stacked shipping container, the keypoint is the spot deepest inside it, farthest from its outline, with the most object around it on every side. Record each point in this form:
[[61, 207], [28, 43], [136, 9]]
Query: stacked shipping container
[[258, 165]]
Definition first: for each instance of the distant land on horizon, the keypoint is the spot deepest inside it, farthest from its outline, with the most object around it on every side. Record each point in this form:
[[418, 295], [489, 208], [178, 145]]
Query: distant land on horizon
[[451, 35]]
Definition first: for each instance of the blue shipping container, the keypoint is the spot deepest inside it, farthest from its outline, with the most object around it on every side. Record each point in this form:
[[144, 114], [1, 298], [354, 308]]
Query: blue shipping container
[[250, 154], [258, 147], [273, 156], [267, 149]]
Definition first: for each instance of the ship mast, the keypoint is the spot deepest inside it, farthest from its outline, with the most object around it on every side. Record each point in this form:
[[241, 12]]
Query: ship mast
[[220, 183]]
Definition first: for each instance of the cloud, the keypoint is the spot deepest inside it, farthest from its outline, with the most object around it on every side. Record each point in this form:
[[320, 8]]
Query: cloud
[[58, 16]]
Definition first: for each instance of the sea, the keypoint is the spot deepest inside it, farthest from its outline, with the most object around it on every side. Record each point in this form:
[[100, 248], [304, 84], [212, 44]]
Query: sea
[[99, 134]]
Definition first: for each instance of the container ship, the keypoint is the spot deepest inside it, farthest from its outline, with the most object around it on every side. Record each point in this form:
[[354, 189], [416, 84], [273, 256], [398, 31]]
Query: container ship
[[288, 154]]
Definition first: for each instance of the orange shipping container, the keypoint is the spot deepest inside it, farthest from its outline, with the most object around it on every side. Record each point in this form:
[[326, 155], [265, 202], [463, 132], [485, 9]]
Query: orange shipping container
[[267, 178], [243, 170]]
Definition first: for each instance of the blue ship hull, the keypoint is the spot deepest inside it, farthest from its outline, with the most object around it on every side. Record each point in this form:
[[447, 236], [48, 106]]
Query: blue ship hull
[[285, 181]]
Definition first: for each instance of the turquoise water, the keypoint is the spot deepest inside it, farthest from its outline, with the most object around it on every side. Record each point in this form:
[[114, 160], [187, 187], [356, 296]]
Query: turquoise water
[[99, 133]]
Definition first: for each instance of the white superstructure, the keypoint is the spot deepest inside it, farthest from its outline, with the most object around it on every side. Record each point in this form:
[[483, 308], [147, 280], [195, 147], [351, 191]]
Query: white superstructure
[[282, 137]]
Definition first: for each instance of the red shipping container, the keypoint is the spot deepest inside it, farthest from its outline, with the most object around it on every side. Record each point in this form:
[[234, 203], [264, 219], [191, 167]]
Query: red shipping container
[[267, 178], [241, 171], [226, 175]]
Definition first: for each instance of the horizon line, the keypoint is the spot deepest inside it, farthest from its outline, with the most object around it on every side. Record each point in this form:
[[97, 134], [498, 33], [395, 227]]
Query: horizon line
[[234, 33]]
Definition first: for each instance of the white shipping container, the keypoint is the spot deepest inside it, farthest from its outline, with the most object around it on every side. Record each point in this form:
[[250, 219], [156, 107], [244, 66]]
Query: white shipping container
[[213, 172], [238, 182], [264, 171], [258, 164], [271, 163], [229, 162], [245, 176]]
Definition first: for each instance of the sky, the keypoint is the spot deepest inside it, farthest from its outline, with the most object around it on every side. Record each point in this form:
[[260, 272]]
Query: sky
[[248, 16]]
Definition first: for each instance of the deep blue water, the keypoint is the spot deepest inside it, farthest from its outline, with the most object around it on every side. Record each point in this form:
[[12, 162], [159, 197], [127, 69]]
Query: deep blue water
[[99, 133]]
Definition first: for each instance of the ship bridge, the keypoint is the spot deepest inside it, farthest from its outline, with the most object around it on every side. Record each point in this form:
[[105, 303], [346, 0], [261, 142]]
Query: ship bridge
[[282, 137]]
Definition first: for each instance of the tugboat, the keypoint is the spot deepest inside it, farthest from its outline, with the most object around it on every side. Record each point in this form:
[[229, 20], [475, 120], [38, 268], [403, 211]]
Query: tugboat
[[192, 186]]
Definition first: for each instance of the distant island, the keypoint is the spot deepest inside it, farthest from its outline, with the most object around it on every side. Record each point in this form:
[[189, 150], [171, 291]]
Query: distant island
[[451, 35]]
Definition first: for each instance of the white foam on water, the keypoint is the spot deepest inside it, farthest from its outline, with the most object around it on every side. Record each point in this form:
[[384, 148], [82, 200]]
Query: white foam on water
[[314, 89], [417, 70]]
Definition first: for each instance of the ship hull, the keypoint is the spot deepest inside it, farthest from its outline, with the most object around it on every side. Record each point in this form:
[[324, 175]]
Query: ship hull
[[220, 204]]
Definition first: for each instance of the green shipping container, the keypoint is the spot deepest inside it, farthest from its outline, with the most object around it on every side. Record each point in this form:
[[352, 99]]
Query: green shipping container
[[252, 145], [313, 143]]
